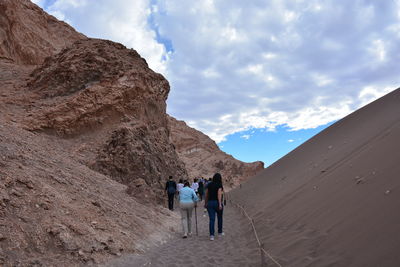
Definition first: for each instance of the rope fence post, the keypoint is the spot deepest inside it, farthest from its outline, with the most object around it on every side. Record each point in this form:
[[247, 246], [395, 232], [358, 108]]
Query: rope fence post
[[263, 252]]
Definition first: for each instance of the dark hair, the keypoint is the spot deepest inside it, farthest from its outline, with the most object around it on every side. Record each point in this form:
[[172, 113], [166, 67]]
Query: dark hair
[[195, 180], [170, 177], [186, 183], [180, 181], [217, 179]]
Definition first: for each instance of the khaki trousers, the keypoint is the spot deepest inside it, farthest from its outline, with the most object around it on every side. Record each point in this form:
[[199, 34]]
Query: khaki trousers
[[186, 217]]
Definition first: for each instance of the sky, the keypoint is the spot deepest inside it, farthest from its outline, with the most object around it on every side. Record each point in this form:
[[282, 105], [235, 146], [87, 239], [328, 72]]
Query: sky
[[258, 76]]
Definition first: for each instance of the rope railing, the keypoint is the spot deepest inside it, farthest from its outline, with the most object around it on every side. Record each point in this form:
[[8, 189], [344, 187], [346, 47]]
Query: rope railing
[[263, 252]]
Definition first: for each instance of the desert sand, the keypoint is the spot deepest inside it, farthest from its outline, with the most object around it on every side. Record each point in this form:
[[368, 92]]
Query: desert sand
[[237, 247], [334, 200]]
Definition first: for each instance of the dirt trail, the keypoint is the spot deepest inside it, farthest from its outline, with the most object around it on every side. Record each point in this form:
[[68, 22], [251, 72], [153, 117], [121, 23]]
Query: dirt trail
[[237, 248]]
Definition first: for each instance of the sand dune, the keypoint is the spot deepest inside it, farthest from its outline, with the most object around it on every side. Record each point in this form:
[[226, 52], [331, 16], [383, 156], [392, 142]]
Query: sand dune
[[334, 201]]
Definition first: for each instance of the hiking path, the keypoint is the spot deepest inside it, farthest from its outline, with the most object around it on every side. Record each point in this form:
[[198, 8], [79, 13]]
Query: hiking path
[[237, 247]]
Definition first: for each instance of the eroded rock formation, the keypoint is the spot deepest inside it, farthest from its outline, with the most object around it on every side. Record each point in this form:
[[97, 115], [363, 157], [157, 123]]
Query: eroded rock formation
[[28, 35], [203, 158], [98, 85], [85, 145]]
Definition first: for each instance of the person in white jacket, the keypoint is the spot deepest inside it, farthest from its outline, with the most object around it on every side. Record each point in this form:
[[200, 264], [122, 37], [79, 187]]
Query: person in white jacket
[[195, 185], [179, 186]]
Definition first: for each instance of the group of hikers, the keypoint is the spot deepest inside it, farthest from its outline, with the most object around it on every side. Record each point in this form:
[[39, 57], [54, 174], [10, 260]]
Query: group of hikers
[[210, 190]]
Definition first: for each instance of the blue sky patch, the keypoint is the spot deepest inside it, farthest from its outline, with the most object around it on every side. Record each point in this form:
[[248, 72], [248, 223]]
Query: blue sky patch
[[264, 145]]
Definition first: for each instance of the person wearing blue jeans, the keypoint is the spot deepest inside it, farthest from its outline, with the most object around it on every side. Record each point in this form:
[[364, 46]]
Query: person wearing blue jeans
[[213, 209], [213, 203]]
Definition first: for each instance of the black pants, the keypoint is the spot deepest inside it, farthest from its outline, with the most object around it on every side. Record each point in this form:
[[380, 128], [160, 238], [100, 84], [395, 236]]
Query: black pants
[[171, 201]]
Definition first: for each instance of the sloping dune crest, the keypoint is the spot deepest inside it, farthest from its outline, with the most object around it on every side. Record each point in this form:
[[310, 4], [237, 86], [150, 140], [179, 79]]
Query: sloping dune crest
[[335, 200]]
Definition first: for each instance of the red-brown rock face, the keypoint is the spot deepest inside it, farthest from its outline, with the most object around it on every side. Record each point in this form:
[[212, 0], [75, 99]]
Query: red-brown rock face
[[28, 34], [95, 82], [203, 158], [99, 85], [84, 145], [142, 157]]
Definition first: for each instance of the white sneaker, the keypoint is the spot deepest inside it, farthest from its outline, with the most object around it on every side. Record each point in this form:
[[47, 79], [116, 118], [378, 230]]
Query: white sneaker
[[221, 234], [211, 238]]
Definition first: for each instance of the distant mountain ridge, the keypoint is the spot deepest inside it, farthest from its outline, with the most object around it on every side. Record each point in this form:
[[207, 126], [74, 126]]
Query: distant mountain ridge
[[203, 158]]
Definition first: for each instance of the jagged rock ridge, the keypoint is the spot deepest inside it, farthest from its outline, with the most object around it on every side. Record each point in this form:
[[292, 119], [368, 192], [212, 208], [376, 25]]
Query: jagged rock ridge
[[203, 158]]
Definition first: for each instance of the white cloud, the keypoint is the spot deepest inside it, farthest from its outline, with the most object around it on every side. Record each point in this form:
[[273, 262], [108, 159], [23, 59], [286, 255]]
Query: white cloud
[[245, 136], [290, 16], [332, 45], [378, 49], [237, 65], [370, 93], [38, 2], [210, 73], [66, 4], [268, 55], [290, 140], [322, 80], [286, 70], [122, 21]]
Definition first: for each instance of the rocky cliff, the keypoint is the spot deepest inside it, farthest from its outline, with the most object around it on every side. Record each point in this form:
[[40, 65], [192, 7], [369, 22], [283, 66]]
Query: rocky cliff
[[84, 145], [102, 89], [203, 158], [28, 34], [56, 211]]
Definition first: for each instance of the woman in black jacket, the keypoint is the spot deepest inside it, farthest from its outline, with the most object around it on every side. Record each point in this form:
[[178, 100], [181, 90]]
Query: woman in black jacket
[[214, 205]]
